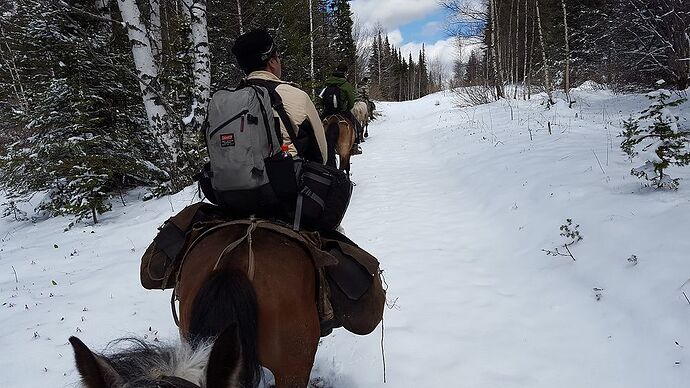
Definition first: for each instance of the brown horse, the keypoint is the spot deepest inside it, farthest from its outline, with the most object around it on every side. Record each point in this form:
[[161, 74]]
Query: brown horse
[[210, 364], [265, 283], [340, 135]]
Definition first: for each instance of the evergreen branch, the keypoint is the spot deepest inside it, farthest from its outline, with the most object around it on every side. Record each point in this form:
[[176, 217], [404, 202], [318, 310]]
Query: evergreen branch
[[126, 70], [90, 15]]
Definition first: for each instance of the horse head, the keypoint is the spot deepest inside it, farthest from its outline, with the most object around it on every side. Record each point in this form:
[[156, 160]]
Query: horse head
[[208, 364]]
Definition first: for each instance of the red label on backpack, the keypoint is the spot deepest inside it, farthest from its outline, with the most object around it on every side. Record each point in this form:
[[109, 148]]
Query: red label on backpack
[[227, 139]]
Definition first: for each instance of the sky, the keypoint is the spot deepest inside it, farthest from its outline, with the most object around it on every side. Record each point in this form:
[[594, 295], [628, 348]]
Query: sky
[[409, 24]]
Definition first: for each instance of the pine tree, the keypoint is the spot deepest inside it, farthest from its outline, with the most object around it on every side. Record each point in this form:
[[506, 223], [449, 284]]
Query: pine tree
[[343, 44], [90, 135], [665, 140]]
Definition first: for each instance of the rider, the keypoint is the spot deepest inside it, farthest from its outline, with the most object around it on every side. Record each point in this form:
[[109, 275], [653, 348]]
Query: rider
[[363, 89], [258, 56], [363, 95], [348, 93]]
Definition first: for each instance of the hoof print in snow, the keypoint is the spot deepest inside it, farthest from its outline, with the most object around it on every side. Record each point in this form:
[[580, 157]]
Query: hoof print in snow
[[598, 293]]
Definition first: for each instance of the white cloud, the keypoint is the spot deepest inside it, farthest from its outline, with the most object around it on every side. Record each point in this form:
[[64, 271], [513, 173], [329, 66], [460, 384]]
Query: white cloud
[[395, 38], [391, 14]]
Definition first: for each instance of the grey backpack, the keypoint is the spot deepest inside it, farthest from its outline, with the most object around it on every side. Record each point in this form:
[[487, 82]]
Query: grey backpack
[[240, 134]]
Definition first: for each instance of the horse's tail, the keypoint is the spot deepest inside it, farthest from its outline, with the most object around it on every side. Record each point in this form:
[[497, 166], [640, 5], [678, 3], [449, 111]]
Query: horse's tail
[[228, 297], [332, 134]]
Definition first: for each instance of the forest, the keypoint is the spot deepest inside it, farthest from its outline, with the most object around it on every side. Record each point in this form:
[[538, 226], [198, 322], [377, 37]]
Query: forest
[[101, 96]]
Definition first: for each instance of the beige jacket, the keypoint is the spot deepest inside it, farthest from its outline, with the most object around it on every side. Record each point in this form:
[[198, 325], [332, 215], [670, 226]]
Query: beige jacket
[[299, 108]]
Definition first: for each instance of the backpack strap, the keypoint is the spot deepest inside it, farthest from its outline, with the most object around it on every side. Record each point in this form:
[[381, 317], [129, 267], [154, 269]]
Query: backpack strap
[[277, 103], [245, 84]]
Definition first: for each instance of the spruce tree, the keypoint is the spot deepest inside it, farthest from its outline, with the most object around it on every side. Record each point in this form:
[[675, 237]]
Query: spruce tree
[[664, 140], [90, 139], [343, 44]]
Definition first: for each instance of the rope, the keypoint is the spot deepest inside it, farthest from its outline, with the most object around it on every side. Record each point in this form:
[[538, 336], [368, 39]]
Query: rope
[[383, 351], [250, 258], [253, 223]]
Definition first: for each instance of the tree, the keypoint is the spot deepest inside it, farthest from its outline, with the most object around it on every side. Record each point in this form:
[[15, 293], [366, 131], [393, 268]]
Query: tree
[[664, 140], [90, 138], [343, 43]]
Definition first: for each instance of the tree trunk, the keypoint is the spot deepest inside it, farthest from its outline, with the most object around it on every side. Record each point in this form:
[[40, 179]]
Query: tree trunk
[[524, 67], [515, 63], [155, 29], [531, 56], [201, 69], [311, 49], [145, 65], [239, 16], [547, 79], [9, 59], [495, 60], [566, 76]]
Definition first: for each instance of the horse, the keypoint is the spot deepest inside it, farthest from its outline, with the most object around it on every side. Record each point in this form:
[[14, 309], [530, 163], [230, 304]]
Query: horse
[[211, 364], [361, 113], [340, 137], [268, 289]]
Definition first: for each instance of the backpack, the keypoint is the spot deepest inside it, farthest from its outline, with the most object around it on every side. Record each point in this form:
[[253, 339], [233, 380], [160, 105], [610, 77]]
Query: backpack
[[332, 99], [260, 179], [239, 137]]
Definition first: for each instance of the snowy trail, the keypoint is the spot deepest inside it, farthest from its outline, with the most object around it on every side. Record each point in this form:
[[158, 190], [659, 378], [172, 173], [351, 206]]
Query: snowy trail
[[476, 302], [457, 203]]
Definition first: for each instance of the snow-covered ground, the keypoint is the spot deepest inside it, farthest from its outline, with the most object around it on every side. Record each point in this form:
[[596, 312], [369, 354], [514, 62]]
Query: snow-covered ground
[[458, 204]]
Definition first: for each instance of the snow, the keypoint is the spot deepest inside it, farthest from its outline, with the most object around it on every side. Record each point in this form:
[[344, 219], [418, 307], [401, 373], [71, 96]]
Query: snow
[[457, 203]]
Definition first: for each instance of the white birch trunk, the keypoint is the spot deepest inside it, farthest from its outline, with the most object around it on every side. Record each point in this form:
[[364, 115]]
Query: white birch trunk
[[311, 48], [146, 67], [566, 86], [239, 15], [547, 78], [524, 67], [378, 43], [195, 12], [155, 30]]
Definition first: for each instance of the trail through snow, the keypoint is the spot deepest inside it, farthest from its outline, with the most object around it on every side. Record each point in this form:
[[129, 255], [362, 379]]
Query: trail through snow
[[457, 203]]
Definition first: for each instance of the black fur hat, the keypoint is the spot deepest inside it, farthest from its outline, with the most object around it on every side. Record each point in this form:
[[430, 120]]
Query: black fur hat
[[253, 50]]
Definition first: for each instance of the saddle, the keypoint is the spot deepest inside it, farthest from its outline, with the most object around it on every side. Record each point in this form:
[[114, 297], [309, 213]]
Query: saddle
[[349, 284]]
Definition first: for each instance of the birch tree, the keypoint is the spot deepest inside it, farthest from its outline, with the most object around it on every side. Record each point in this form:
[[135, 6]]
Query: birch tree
[[145, 64], [195, 12], [545, 66], [566, 75]]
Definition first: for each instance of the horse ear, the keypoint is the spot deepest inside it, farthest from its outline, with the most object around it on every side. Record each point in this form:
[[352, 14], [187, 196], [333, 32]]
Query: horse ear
[[224, 363], [94, 371]]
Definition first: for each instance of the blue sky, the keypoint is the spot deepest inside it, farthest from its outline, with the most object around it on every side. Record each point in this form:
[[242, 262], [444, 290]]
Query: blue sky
[[409, 24], [428, 29]]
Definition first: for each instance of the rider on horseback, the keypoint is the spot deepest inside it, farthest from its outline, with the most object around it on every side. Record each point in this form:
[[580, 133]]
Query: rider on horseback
[[347, 94], [258, 56], [363, 95]]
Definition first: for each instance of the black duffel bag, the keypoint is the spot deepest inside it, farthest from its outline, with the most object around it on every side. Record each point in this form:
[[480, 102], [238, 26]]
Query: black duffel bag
[[323, 197]]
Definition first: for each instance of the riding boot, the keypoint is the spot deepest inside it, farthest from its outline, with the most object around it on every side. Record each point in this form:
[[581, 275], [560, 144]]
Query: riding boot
[[327, 321]]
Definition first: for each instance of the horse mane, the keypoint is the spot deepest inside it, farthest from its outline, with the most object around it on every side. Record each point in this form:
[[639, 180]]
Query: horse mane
[[143, 364], [225, 298]]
